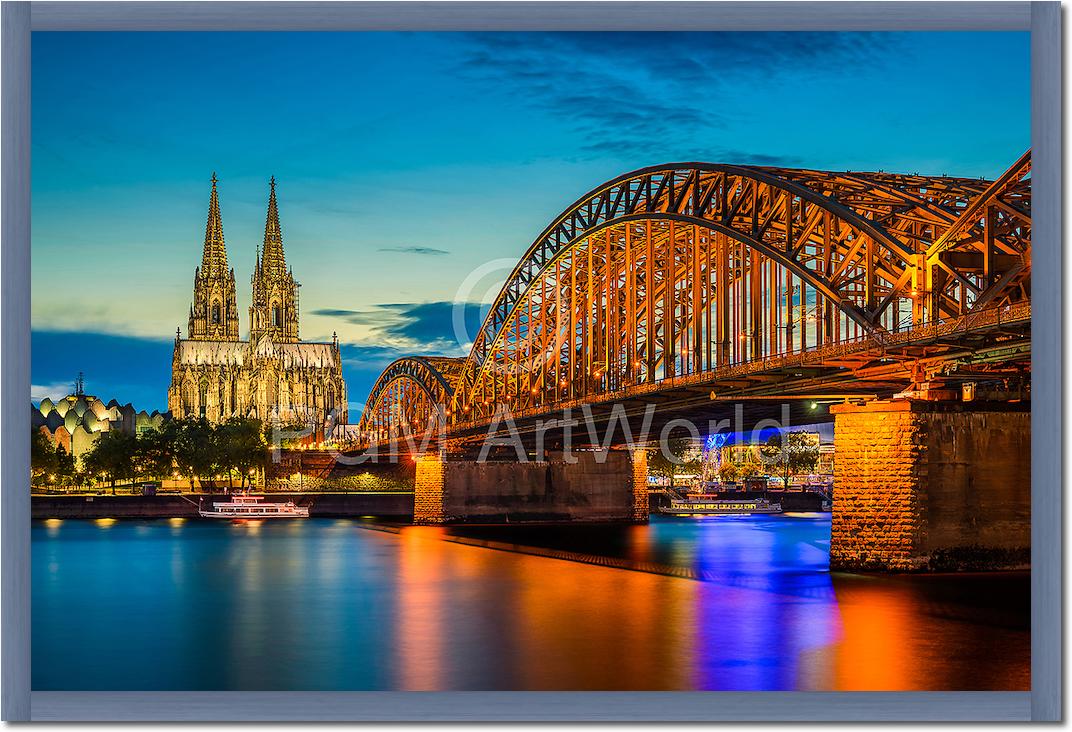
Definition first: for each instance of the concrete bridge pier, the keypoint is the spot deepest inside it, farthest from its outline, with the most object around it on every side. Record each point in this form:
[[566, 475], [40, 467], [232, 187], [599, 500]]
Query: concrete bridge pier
[[582, 486], [931, 486]]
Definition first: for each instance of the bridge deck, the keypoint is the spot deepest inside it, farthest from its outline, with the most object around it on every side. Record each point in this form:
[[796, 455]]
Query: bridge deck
[[987, 344]]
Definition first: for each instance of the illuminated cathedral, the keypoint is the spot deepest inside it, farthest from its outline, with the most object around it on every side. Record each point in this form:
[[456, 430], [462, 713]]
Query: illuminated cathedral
[[273, 376]]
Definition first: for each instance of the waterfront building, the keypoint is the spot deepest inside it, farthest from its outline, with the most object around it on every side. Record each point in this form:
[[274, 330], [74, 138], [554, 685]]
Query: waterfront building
[[273, 376], [77, 421], [750, 453]]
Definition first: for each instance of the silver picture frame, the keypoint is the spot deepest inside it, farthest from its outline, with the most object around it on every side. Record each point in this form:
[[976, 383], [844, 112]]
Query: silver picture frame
[[1042, 703]]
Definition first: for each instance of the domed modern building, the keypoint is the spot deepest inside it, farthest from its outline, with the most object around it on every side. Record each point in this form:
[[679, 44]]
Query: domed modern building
[[76, 421]]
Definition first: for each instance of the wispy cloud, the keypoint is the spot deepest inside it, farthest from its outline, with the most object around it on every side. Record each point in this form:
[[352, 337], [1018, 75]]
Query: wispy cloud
[[440, 328], [370, 359], [426, 251], [84, 310], [629, 94], [53, 391]]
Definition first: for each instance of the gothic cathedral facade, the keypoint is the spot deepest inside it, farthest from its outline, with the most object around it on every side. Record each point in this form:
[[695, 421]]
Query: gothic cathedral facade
[[273, 376]]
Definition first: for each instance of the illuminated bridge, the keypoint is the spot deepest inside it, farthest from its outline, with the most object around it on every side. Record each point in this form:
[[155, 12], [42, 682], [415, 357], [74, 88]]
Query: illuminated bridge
[[750, 281], [696, 287]]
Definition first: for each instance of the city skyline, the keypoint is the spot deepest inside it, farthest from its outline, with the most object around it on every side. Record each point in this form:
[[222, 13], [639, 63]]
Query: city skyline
[[389, 199]]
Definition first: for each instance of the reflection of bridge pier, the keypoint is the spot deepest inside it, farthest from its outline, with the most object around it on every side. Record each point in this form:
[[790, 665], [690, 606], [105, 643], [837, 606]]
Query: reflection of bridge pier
[[931, 485], [585, 486]]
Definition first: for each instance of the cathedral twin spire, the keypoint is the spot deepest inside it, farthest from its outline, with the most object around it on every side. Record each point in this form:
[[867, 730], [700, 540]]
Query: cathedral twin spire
[[275, 293], [273, 259], [274, 312], [214, 312], [214, 258]]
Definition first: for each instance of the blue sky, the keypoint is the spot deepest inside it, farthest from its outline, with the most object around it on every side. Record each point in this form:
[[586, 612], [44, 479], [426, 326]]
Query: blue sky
[[414, 168]]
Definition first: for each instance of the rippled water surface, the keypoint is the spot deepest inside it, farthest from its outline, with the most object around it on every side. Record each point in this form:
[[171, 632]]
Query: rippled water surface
[[717, 603]]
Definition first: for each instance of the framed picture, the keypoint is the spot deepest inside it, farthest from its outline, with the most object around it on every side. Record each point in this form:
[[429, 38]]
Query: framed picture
[[559, 361]]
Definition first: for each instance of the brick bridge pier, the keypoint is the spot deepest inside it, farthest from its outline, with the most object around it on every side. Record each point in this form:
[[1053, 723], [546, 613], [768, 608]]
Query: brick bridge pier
[[931, 486], [585, 486], [919, 486]]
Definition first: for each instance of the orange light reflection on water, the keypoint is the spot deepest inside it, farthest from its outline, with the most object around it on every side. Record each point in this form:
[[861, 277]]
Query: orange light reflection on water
[[903, 635], [589, 627], [424, 609], [876, 643], [420, 612], [544, 623], [563, 625]]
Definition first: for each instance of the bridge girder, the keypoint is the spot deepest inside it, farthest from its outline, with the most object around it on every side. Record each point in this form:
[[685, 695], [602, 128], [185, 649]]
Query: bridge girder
[[690, 268], [409, 393]]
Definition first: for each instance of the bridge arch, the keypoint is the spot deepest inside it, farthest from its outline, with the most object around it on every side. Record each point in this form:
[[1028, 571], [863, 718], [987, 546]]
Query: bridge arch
[[684, 268], [409, 392], [785, 258]]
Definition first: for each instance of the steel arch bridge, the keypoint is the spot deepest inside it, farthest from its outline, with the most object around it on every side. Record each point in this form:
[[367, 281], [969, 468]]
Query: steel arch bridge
[[410, 392], [695, 270]]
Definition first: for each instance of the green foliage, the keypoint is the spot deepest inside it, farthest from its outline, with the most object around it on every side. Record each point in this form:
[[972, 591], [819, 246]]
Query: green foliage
[[205, 451], [670, 458], [196, 451], [42, 456], [243, 448], [790, 453], [728, 472], [155, 454], [193, 447], [65, 469], [112, 456], [287, 434], [749, 467], [48, 463]]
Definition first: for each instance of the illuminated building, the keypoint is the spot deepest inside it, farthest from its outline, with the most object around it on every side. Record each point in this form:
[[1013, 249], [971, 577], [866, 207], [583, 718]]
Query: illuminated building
[[76, 421], [273, 376], [750, 453]]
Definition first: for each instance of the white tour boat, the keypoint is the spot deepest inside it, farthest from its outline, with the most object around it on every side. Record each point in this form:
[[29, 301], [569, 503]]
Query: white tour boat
[[711, 506], [246, 506]]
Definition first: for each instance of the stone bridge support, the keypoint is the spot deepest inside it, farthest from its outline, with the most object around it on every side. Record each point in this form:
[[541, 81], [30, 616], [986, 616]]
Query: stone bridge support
[[931, 486], [585, 486]]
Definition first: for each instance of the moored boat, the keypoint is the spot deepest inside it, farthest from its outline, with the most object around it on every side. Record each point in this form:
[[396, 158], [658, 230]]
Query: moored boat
[[711, 506], [247, 506]]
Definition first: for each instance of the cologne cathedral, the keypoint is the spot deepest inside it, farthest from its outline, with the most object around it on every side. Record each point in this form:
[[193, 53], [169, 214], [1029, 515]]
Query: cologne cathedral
[[273, 376]]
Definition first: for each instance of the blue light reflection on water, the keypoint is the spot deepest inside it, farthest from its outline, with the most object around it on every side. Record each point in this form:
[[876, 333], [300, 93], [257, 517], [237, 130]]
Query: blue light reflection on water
[[327, 604], [784, 607]]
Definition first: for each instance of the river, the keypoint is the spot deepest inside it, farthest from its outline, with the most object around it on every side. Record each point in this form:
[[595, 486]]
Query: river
[[726, 603]]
